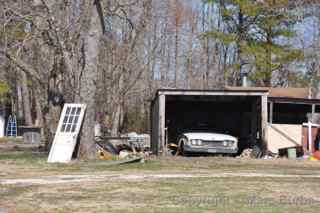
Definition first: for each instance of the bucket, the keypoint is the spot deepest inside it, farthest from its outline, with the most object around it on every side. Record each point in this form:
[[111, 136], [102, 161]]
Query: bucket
[[292, 153]]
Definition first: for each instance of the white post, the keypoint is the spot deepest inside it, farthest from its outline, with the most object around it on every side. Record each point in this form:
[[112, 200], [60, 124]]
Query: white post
[[309, 136], [264, 122], [162, 114], [2, 122]]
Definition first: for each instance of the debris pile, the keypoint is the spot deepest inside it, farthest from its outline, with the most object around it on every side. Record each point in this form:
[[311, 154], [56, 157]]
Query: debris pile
[[255, 152], [246, 153], [120, 153]]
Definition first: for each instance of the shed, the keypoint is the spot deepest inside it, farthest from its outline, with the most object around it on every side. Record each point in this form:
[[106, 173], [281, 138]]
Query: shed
[[287, 105], [288, 109], [242, 113], [291, 105]]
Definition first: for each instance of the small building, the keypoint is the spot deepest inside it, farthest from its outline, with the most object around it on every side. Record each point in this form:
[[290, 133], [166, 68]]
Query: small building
[[245, 112], [241, 113]]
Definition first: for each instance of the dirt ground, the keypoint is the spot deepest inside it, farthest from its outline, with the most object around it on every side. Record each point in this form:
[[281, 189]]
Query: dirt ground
[[180, 184]]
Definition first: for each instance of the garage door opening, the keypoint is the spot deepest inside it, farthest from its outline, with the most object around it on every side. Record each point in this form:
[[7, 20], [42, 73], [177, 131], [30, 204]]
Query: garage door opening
[[233, 115], [242, 114]]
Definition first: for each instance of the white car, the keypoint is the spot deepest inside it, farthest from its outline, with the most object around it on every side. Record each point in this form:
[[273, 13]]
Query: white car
[[203, 142]]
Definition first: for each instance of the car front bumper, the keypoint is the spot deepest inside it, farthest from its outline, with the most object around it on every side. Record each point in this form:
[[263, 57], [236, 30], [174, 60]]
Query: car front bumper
[[218, 150]]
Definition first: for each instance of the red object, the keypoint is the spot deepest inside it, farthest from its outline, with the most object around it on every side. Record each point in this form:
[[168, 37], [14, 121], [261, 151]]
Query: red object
[[316, 154]]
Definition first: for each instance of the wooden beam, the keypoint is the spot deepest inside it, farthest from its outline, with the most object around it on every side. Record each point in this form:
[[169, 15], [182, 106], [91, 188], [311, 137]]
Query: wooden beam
[[264, 122], [293, 100], [313, 109], [162, 114], [254, 117], [271, 112], [213, 93]]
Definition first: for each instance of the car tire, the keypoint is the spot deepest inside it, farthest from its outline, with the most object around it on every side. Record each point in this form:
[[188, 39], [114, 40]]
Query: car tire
[[181, 143]]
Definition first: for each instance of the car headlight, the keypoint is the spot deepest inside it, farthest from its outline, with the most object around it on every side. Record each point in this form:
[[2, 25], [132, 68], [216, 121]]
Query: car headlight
[[228, 143], [196, 142]]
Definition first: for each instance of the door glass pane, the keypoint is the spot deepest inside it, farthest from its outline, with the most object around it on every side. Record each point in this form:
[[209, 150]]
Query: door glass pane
[[68, 128], [63, 128], [73, 110], [78, 110], [68, 111], [65, 119], [74, 126], [76, 120], [70, 119]]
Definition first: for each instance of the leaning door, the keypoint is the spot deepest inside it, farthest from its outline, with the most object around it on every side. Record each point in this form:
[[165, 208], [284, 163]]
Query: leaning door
[[67, 133]]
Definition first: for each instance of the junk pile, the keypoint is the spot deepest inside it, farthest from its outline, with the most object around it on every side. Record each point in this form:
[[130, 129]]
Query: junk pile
[[245, 153], [255, 152], [121, 150], [315, 156]]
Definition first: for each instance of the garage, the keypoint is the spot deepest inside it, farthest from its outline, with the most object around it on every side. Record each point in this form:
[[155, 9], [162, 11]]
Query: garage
[[241, 113]]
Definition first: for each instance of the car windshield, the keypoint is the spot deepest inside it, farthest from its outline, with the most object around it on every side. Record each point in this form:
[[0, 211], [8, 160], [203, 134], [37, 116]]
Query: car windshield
[[204, 130]]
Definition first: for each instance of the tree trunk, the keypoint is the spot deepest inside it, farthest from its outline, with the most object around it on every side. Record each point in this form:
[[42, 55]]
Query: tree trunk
[[88, 80], [26, 99], [19, 101], [116, 119], [176, 45], [190, 57]]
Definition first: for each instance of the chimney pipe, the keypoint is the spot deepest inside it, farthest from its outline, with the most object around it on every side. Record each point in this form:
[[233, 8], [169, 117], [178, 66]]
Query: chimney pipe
[[244, 79]]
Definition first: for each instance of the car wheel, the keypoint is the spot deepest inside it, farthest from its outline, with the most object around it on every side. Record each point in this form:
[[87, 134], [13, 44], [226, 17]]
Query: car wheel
[[181, 143]]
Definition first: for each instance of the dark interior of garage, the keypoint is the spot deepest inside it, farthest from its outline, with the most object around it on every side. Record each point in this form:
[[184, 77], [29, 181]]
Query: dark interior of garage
[[238, 116]]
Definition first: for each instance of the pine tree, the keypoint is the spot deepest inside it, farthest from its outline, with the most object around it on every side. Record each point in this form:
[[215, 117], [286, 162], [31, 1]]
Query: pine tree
[[257, 31], [269, 49]]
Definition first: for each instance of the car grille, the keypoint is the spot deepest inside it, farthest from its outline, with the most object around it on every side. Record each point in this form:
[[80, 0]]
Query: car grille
[[213, 144]]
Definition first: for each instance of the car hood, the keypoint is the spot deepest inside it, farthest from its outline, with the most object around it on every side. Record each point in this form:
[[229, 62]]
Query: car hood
[[209, 136]]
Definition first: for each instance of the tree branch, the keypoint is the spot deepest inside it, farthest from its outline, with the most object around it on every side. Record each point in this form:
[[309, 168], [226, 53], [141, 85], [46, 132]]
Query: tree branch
[[22, 65]]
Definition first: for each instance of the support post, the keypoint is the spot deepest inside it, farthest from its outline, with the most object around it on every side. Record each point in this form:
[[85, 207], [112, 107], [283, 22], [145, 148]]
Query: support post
[[254, 119], [162, 113], [313, 111], [271, 113], [264, 122], [309, 136]]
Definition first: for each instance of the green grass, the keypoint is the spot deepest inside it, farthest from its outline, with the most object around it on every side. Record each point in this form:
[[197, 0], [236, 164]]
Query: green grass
[[23, 157], [28, 164], [11, 139], [174, 195], [158, 195]]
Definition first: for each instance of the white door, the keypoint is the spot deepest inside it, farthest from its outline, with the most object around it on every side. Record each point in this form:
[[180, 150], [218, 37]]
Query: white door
[[67, 133]]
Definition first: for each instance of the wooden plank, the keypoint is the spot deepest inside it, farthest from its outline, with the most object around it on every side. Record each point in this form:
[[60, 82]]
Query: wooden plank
[[313, 110], [271, 112], [213, 93], [264, 121], [294, 101], [162, 113], [155, 127]]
